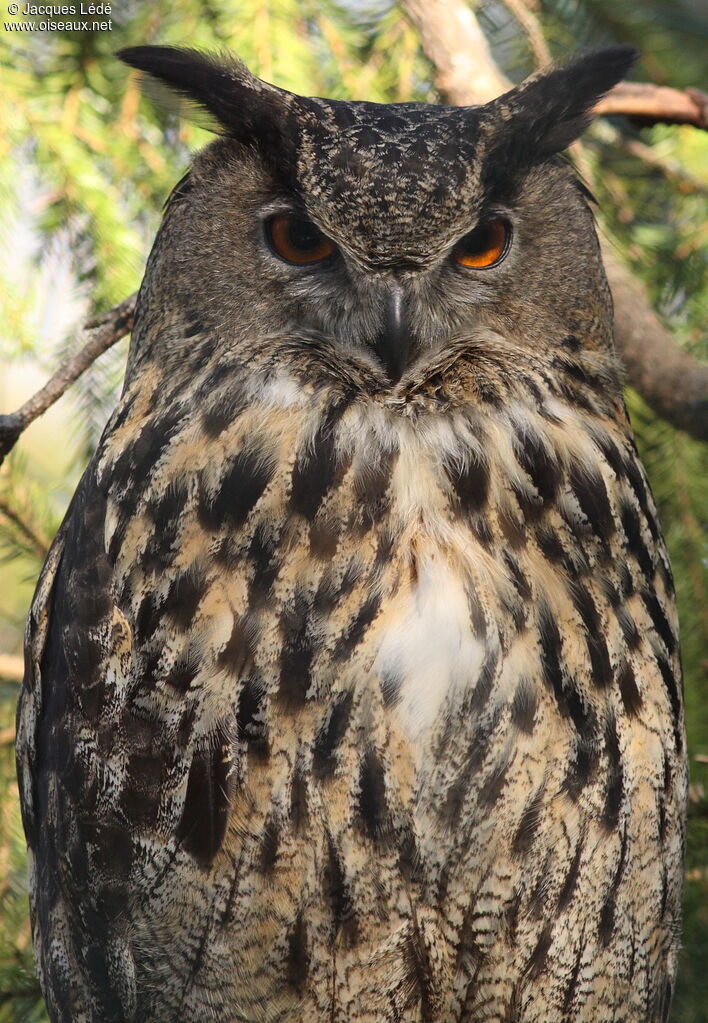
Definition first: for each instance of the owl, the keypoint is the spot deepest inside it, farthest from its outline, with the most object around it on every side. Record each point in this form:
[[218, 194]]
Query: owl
[[353, 689]]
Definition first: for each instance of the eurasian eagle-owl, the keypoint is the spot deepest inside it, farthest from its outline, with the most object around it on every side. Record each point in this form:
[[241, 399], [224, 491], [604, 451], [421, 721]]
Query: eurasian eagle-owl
[[352, 687]]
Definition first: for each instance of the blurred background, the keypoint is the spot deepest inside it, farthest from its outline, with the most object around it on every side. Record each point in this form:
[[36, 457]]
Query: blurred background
[[85, 166]]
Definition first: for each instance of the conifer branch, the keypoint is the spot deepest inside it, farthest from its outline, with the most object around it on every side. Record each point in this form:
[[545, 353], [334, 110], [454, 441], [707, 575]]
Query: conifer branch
[[528, 21], [32, 540]]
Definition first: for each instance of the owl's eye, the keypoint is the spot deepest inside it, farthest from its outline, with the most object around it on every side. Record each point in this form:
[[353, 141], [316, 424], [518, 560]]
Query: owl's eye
[[298, 241], [485, 246]]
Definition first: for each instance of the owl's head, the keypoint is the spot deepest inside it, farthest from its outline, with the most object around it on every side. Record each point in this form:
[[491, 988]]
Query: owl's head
[[390, 233]]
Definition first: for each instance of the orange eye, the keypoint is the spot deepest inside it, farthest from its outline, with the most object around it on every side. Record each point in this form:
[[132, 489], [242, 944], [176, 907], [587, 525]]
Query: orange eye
[[298, 241], [485, 246]]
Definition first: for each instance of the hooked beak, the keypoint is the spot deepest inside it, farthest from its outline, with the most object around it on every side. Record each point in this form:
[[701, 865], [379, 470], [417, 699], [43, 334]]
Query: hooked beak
[[393, 344]]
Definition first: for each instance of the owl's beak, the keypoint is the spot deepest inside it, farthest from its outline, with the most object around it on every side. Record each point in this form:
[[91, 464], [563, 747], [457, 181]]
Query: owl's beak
[[393, 343]]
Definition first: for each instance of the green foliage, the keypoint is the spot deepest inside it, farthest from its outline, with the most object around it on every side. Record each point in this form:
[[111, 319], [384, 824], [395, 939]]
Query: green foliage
[[85, 166]]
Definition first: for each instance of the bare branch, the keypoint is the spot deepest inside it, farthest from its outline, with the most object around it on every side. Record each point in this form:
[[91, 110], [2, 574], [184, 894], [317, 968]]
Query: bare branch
[[656, 104], [455, 45], [105, 331], [670, 380]]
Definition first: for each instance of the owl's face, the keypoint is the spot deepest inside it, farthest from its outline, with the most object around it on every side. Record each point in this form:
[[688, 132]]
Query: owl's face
[[388, 234]]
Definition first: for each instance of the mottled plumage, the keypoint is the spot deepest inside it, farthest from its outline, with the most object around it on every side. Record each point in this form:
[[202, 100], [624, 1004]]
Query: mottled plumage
[[349, 698]]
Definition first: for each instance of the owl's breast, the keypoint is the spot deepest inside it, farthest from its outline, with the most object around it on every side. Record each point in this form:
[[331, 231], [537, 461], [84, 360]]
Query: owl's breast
[[354, 659], [428, 652]]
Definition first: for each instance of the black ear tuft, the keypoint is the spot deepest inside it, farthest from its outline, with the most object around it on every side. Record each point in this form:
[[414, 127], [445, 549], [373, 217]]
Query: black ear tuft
[[561, 102], [246, 108], [553, 108]]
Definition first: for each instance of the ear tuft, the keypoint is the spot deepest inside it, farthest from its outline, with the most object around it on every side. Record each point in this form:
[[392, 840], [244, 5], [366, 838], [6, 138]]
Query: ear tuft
[[572, 91], [547, 112], [245, 108]]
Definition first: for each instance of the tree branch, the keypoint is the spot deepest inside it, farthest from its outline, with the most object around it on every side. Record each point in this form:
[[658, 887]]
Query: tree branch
[[454, 44], [104, 331], [670, 380], [653, 104]]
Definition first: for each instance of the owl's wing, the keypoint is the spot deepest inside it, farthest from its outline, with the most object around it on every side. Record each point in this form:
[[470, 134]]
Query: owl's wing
[[30, 702], [37, 709], [102, 774], [71, 637]]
